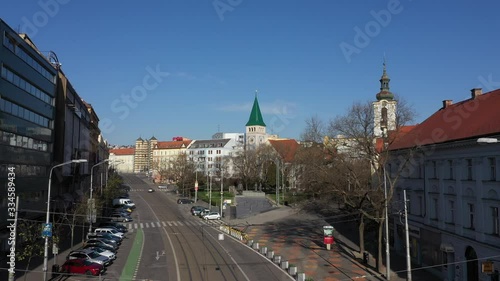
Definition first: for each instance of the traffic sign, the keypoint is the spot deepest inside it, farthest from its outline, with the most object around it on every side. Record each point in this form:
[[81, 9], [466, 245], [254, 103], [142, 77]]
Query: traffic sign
[[47, 230]]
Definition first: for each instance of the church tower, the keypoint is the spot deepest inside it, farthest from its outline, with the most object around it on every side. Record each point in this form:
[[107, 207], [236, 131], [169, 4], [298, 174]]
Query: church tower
[[384, 109], [255, 128]]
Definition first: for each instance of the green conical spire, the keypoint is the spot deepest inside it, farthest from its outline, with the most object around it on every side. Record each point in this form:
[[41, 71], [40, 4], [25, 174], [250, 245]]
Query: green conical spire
[[255, 116]]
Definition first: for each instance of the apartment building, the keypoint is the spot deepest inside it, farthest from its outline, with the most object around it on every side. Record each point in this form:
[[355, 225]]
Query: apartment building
[[453, 188], [122, 159]]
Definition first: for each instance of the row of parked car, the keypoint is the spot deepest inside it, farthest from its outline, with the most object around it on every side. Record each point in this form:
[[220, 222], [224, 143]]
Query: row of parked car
[[98, 251], [205, 213], [100, 248]]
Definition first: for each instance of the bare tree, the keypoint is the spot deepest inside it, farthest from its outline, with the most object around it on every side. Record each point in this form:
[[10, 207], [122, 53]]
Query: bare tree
[[353, 134], [245, 167], [314, 130]]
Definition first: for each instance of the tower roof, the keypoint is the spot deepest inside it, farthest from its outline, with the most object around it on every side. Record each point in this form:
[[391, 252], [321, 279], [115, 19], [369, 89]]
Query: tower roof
[[255, 116], [385, 93]]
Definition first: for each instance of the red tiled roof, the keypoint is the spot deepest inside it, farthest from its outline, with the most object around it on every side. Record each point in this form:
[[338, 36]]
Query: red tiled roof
[[122, 151], [471, 118], [172, 144], [285, 148]]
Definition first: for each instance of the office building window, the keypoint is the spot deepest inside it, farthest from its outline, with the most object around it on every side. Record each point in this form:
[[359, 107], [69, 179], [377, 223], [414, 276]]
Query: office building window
[[493, 168], [26, 86], [434, 169], [495, 222], [435, 207], [470, 209], [451, 212], [420, 206], [450, 171], [469, 169]]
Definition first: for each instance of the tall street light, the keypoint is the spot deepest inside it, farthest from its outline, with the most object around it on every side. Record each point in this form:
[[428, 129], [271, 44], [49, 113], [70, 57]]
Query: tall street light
[[47, 219], [91, 205]]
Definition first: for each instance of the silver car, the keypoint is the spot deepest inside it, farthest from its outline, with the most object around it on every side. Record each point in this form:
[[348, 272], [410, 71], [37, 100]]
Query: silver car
[[89, 255]]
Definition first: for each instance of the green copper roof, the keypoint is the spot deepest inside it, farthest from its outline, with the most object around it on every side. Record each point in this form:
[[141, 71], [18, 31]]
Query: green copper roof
[[255, 116]]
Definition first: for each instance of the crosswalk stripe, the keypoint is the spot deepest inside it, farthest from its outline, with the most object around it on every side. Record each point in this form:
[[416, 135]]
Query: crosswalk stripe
[[158, 223], [169, 223], [164, 224], [180, 223], [129, 226], [147, 225], [142, 226], [135, 225]]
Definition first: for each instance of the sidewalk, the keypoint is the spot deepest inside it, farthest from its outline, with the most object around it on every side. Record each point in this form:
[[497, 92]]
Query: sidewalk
[[298, 238]]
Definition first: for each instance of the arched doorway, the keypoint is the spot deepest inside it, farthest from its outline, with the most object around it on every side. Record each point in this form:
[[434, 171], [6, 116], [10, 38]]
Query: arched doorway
[[472, 264]]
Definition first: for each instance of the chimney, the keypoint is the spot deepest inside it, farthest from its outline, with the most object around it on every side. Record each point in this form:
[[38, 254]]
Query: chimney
[[476, 92], [447, 103]]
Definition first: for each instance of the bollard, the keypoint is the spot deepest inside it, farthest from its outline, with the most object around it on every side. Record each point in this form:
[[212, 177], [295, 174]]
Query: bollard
[[277, 259], [263, 251], [284, 265], [256, 246], [250, 243], [270, 255], [301, 276]]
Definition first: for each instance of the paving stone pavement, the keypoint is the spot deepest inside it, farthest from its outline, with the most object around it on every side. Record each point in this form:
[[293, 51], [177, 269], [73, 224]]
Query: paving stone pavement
[[298, 237]]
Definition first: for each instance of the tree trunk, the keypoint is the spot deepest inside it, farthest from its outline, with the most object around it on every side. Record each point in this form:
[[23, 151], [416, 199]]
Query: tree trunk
[[27, 268], [361, 230]]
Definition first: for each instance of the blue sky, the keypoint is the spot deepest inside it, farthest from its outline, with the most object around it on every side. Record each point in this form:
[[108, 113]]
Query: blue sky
[[190, 68]]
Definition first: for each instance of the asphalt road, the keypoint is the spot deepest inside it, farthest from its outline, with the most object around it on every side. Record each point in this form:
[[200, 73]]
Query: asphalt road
[[178, 246]]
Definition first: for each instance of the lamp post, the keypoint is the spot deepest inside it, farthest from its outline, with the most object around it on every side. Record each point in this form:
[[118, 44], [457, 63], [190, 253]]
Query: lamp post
[[387, 250], [210, 191], [47, 219], [91, 207], [221, 187]]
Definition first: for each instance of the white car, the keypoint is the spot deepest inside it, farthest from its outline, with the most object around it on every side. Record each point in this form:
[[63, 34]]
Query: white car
[[212, 216], [102, 252]]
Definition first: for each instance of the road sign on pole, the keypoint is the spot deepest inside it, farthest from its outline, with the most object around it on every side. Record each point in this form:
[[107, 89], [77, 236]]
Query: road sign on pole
[[47, 230]]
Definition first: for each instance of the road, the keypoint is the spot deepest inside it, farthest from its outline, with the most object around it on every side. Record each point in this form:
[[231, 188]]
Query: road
[[178, 246]]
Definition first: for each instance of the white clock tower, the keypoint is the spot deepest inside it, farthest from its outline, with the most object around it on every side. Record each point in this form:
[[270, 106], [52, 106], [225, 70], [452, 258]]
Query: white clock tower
[[255, 128]]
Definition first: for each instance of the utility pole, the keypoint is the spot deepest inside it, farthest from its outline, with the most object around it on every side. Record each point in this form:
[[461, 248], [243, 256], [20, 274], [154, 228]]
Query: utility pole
[[408, 258]]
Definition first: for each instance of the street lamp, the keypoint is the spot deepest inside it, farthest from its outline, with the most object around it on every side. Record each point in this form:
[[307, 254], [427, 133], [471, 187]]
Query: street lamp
[[47, 219], [91, 207]]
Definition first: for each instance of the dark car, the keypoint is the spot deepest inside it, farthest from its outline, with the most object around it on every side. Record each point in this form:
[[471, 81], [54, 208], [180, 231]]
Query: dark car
[[82, 266], [184, 201], [103, 243], [100, 244], [195, 210], [117, 226]]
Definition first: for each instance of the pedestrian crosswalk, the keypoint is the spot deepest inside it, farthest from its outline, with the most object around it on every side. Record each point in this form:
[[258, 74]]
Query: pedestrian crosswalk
[[145, 225]]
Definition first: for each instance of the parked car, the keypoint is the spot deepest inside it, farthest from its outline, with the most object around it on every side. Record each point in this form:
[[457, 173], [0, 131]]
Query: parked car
[[119, 218], [101, 251], [82, 266], [111, 239], [212, 216], [89, 255], [101, 242], [203, 212], [117, 226], [111, 231], [184, 201], [195, 210]]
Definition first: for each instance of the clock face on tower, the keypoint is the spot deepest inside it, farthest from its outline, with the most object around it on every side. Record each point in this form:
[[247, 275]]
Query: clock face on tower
[[261, 139], [251, 139]]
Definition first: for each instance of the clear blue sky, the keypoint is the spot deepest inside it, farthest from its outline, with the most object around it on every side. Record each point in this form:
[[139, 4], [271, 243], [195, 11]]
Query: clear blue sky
[[289, 50]]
